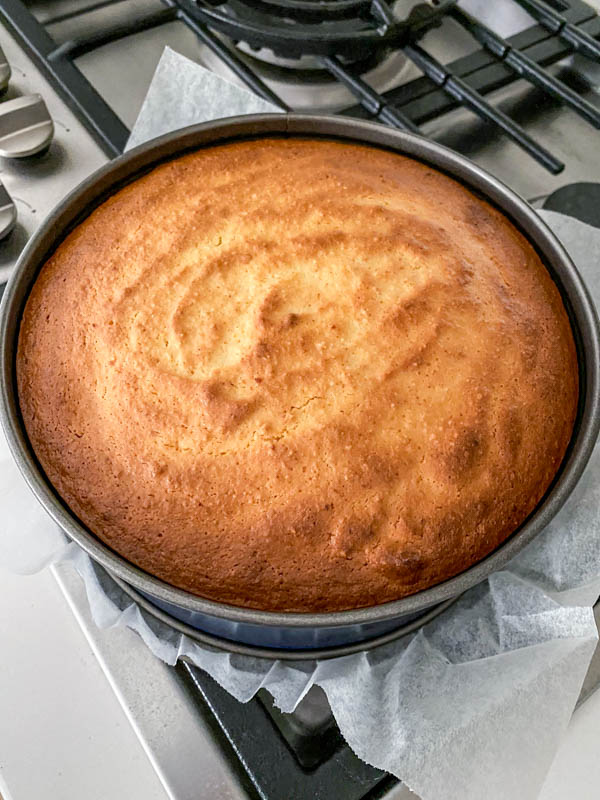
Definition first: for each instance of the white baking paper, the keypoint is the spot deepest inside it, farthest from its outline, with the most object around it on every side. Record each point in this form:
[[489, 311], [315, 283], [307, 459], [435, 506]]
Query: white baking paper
[[473, 705], [184, 93]]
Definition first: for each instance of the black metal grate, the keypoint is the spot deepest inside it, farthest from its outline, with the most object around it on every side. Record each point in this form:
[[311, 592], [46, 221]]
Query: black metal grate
[[283, 756], [343, 34]]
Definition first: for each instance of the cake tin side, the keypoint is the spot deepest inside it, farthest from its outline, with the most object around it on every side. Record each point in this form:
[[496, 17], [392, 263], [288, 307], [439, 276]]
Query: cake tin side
[[298, 629]]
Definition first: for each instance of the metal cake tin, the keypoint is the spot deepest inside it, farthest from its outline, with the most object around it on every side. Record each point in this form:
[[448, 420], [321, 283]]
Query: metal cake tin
[[280, 632]]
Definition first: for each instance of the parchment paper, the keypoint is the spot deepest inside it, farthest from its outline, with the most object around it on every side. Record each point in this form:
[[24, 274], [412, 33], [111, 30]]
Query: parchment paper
[[473, 705]]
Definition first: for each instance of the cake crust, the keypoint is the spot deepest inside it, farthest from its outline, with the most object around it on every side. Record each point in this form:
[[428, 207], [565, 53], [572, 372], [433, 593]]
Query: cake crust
[[298, 375]]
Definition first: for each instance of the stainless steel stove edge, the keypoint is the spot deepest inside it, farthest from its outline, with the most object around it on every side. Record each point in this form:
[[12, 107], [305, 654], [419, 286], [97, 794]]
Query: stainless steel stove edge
[[189, 762]]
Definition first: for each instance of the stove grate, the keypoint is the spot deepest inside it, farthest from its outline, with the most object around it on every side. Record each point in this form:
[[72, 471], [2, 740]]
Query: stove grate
[[525, 67], [342, 34], [577, 39], [301, 756]]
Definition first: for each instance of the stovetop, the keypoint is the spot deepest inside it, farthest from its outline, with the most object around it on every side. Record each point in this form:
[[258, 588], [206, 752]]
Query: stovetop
[[203, 743], [234, 751], [36, 185]]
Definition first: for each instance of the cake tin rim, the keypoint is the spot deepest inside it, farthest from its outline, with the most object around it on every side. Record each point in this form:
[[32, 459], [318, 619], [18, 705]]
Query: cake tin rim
[[111, 176], [320, 653]]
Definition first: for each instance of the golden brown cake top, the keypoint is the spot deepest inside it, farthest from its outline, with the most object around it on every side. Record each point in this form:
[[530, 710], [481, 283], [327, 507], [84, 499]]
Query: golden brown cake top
[[298, 375]]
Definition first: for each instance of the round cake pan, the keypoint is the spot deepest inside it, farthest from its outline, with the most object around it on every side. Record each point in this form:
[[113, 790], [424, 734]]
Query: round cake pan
[[297, 631]]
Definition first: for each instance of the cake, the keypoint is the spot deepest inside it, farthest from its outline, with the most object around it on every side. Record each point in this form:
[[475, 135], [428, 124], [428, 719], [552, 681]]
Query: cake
[[297, 374]]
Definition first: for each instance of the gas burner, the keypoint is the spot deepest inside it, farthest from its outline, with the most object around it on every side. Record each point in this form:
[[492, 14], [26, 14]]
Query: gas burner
[[302, 83], [300, 77], [353, 29]]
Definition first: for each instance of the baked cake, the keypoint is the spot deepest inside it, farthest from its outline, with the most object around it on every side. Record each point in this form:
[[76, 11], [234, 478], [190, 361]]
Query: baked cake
[[298, 375]]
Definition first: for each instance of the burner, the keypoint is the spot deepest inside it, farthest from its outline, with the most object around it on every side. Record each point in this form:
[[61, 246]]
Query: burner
[[354, 29], [297, 73], [310, 10], [302, 82]]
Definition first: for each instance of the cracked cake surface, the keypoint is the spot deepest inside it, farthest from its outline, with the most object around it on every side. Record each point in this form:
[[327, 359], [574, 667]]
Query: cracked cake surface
[[297, 375]]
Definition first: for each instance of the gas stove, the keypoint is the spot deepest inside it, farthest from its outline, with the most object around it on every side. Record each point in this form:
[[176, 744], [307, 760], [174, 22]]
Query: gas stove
[[429, 73], [453, 73]]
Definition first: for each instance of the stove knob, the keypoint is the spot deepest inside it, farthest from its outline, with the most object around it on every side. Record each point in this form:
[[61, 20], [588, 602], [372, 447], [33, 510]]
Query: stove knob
[[26, 127], [4, 72], [8, 213]]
